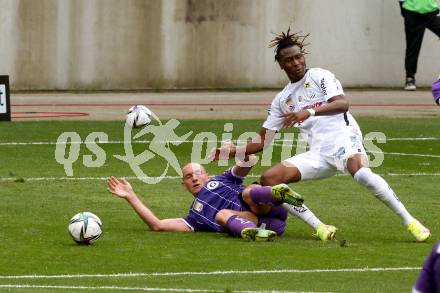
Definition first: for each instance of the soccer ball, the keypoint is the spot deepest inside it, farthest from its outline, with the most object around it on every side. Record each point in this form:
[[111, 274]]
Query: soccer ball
[[138, 116], [85, 228]]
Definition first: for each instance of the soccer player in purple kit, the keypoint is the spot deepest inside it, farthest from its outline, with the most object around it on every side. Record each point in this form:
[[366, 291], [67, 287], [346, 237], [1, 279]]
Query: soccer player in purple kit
[[221, 204], [429, 277]]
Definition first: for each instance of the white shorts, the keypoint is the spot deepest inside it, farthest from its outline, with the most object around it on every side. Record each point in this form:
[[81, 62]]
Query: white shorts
[[319, 164]]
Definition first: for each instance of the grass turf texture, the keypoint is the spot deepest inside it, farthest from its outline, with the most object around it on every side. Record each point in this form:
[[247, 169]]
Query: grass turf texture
[[34, 217]]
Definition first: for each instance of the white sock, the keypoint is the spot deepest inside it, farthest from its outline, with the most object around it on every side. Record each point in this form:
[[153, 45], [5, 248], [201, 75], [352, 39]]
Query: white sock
[[380, 188], [304, 213]]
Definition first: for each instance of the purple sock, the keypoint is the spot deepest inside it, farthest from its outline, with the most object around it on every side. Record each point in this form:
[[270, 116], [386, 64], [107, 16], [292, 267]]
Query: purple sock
[[278, 212], [273, 224], [236, 224], [263, 195], [436, 91], [429, 277]]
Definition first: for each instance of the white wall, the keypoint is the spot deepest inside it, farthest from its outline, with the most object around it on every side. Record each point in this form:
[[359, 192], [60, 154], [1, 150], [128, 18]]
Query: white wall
[[139, 44]]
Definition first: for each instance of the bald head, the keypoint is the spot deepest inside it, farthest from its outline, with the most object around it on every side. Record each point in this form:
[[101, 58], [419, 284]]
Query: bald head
[[192, 166], [194, 177]]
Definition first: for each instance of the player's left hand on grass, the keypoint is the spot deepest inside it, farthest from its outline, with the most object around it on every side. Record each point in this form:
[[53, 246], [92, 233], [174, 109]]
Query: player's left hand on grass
[[119, 187], [295, 117]]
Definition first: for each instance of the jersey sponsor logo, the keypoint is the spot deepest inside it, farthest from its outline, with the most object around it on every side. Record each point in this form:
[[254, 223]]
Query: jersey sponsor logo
[[323, 87], [312, 106], [198, 206], [212, 185]]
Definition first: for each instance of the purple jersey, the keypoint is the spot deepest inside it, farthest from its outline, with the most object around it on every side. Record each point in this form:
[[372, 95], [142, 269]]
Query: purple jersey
[[221, 192], [429, 278], [436, 91]]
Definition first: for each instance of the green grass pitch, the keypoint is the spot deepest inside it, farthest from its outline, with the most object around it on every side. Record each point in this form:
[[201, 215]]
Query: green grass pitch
[[36, 204]]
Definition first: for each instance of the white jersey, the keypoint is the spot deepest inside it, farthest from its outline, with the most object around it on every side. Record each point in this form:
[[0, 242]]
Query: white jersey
[[313, 90]]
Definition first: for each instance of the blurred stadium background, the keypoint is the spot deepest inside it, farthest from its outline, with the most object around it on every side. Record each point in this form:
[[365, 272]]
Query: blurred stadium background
[[201, 60], [175, 44]]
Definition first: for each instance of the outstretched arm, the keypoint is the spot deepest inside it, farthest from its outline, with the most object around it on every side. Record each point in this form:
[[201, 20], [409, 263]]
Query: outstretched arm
[[257, 144], [123, 189], [243, 164], [243, 167]]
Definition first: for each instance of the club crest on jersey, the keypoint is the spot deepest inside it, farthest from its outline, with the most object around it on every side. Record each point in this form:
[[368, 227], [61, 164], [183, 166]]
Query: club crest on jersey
[[198, 206], [212, 185], [306, 85]]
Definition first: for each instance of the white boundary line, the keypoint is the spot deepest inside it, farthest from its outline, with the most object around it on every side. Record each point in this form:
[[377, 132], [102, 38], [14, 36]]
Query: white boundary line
[[64, 178], [175, 177], [406, 154], [24, 143], [85, 178], [412, 138], [277, 143], [137, 288], [28, 286], [257, 272]]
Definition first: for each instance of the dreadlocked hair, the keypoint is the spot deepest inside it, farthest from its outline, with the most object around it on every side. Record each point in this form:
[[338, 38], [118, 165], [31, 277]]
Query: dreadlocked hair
[[286, 40]]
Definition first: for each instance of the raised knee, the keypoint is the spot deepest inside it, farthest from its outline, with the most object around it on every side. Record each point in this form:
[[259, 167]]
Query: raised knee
[[277, 175], [222, 216], [271, 179], [267, 180]]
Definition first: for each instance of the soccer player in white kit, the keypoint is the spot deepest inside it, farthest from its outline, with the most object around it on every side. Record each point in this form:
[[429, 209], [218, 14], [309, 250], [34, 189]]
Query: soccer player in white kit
[[314, 102]]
